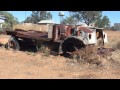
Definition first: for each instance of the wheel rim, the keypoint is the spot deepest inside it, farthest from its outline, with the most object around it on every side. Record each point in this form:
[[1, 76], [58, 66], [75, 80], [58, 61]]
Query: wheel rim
[[11, 45]]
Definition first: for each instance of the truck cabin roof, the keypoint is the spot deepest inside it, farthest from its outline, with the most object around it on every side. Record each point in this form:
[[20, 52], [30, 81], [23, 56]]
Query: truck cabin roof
[[85, 29]]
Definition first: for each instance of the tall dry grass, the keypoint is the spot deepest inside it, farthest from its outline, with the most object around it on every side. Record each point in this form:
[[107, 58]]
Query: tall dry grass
[[89, 54], [113, 38], [116, 56], [114, 42]]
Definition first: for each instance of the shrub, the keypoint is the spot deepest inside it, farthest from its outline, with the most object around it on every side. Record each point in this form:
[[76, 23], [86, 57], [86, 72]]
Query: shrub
[[88, 54], [115, 56], [44, 49]]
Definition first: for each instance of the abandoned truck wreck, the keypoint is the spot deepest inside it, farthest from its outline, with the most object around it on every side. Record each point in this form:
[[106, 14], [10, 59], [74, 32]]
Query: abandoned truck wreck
[[70, 38]]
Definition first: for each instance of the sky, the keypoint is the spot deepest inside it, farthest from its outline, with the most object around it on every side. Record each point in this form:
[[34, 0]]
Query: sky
[[114, 16]]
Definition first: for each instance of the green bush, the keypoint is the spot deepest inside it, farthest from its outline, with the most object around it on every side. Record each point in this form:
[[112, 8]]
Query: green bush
[[44, 49]]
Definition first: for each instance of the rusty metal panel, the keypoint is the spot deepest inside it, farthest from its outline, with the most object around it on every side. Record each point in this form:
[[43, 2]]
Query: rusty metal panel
[[55, 33], [69, 30], [38, 35], [32, 34], [50, 30]]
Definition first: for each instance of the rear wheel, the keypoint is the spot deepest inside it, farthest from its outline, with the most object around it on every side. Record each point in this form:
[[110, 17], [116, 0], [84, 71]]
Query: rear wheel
[[13, 44]]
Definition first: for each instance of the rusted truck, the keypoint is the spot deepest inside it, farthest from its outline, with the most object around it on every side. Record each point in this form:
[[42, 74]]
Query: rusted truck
[[64, 38], [68, 38]]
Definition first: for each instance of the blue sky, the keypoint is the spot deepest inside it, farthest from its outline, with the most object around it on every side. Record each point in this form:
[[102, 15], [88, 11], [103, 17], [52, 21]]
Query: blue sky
[[114, 16]]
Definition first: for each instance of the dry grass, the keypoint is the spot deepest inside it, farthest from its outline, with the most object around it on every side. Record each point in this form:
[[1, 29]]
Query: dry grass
[[113, 38], [45, 50], [88, 54], [116, 46], [116, 56], [35, 66]]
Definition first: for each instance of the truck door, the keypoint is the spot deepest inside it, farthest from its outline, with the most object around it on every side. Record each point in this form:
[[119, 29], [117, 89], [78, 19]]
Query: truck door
[[100, 37], [55, 33]]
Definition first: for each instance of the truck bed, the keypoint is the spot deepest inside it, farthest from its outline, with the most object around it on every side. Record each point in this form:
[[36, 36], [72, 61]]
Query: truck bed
[[37, 35]]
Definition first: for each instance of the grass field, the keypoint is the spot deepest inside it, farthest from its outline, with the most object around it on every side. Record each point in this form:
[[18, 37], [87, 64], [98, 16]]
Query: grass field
[[30, 65], [113, 38]]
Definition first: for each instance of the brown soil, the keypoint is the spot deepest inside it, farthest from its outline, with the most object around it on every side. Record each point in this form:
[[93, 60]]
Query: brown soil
[[29, 65]]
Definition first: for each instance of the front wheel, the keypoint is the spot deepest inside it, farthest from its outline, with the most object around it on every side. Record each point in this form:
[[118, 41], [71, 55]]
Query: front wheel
[[13, 44]]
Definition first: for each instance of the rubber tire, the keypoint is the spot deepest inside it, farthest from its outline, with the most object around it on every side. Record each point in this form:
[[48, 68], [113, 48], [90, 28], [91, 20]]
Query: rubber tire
[[14, 40]]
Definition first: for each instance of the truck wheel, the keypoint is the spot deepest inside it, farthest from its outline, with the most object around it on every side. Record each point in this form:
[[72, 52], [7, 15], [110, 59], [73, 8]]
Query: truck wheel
[[12, 44], [72, 44]]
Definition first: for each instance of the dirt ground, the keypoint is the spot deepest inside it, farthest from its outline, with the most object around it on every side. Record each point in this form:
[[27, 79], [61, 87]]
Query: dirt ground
[[30, 65]]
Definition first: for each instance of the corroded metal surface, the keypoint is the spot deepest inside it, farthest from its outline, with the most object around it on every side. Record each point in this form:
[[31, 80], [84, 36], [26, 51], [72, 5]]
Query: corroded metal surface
[[28, 34]]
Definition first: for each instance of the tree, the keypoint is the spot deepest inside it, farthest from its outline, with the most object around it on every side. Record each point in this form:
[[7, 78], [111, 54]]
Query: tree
[[103, 22], [28, 19], [98, 22], [43, 15], [10, 19], [87, 16], [34, 18], [49, 16], [69, 20], [37, 16]]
